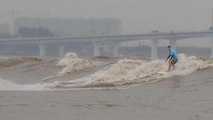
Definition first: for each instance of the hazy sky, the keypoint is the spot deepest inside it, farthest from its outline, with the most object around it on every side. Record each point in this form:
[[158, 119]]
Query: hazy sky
[[137, 16]]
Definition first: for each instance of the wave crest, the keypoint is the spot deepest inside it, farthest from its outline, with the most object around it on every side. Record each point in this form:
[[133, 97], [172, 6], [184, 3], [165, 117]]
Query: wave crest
[[73, 63]]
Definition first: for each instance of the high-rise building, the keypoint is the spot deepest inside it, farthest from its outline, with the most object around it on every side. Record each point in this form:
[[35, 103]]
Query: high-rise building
[[72, 27]]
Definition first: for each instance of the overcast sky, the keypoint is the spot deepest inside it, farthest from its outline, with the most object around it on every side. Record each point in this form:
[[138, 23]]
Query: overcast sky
[[137, 16]]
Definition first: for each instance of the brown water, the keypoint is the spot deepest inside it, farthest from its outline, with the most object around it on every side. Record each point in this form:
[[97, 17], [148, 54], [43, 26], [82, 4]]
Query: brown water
[[178, 97]]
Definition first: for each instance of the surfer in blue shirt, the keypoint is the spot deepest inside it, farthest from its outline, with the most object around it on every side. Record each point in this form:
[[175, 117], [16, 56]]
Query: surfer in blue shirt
[[173, 58]]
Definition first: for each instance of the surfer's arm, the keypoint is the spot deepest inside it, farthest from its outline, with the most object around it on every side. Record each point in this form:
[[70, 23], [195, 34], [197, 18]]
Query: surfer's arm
[[168, 57]]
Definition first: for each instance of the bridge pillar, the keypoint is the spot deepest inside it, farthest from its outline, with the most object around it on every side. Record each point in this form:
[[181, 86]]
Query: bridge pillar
[[106, 47], [173, 44], [42, 50], [115, 49], [154, 50], [212, 48], [97, 48], [61, 51]]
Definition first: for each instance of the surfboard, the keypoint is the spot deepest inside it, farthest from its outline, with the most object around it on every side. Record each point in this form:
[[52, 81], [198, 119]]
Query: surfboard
[[162, 73]]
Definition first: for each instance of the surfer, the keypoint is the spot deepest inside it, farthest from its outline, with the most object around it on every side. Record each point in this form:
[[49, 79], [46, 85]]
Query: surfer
[[173, 59]]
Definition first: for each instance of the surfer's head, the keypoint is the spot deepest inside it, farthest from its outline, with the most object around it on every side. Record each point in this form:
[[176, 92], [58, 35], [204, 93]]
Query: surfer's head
[[169, 47]]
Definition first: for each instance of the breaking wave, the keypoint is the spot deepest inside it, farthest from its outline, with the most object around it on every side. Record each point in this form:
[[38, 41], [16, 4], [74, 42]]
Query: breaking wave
[[73, 63], [133, 71]]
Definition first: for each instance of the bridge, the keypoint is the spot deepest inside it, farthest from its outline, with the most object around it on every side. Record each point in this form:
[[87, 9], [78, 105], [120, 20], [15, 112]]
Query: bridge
[[112, 40]]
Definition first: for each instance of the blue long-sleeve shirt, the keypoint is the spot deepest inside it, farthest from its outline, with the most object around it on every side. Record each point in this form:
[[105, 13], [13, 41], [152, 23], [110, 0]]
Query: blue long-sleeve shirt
[[173, 54]]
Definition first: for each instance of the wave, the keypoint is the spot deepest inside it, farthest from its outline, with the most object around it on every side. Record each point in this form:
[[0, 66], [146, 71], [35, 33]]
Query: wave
[[134, 71], [122, 72], [73, 63]]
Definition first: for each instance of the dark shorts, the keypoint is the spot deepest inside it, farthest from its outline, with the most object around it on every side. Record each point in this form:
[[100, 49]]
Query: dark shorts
[[174, 61]]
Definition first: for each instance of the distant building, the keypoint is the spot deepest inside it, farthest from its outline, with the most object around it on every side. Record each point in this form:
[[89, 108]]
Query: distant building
[[72, 27]]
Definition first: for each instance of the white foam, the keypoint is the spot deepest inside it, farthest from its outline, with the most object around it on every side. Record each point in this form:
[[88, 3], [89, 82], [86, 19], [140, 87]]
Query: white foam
[[128, 70], [73, 63], [188, 65]]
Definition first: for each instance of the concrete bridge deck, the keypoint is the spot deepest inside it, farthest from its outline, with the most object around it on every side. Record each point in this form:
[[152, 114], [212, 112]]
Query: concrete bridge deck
[[113, 40]]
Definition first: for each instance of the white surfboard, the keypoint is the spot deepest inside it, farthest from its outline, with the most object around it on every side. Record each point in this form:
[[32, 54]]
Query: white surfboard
[[162, 73]]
